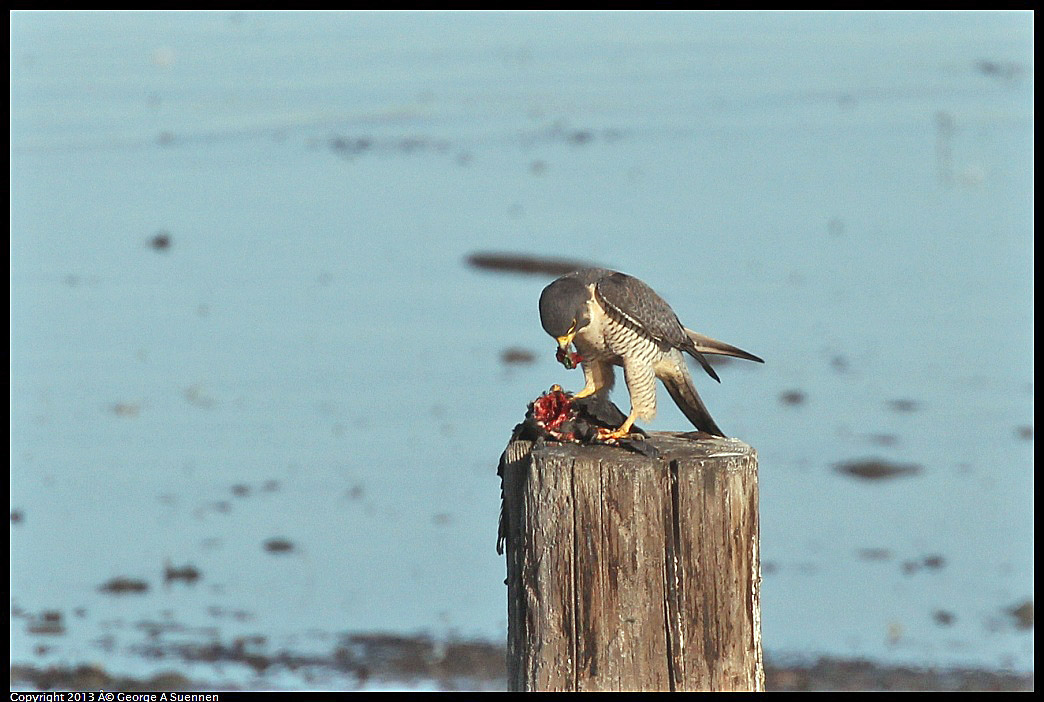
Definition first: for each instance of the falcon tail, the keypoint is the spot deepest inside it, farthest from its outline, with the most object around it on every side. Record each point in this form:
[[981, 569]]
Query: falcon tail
[[684, 394], [705, 344]]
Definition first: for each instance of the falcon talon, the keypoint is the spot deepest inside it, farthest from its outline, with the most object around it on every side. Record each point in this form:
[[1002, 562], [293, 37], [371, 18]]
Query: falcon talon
[[615, 435]]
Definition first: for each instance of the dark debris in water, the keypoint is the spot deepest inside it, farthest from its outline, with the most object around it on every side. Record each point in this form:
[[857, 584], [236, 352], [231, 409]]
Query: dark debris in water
[[1023, 615], [363, 657], [858, 675], [524, 264], [93, 677], [930, 562], [563, 133], [246, 490], [123, 586], [876, 469], [278, 545], [351, 146], [47, 623], [904, 405], [187, 573], [874, 554], [161, 241], [1001, 70], [884, 439], [516, 356], [126, 409]]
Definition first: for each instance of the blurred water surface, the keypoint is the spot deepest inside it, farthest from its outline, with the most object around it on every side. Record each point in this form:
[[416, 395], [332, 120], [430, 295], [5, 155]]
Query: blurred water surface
[[241, 309]]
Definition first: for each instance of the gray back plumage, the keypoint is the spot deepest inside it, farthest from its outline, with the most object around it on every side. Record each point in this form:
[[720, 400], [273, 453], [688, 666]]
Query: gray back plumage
[[632, 302], [635, 304]]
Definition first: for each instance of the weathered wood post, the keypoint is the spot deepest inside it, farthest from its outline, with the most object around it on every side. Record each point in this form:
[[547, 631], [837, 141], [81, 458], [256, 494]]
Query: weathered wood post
[[632, 573]]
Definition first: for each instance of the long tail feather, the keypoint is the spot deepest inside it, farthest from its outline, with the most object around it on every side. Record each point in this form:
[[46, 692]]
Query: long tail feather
[[703, 362], [705, 344], [688, 400]]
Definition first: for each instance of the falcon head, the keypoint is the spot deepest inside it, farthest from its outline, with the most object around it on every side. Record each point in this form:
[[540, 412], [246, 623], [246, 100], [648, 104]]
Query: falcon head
[[563, 309]]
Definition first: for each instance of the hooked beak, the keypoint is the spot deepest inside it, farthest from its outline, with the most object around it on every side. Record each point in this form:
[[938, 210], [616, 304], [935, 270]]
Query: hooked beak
[[565, 341]]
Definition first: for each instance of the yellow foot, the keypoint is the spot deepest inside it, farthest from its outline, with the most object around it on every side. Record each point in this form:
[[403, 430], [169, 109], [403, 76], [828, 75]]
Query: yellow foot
[[613, 434]]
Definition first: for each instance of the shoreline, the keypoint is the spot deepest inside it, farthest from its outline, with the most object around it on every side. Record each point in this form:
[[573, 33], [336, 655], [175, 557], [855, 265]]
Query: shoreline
[[392, 662]]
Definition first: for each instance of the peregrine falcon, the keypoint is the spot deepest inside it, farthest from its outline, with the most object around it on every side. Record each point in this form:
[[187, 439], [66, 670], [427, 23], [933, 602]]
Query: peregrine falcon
[[615, 319]]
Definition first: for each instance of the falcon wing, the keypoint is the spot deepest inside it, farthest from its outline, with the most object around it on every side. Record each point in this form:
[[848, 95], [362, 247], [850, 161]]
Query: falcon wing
[[637, 305]]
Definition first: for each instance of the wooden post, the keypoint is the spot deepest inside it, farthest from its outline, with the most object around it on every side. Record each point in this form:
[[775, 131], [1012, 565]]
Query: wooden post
[[633, 573]]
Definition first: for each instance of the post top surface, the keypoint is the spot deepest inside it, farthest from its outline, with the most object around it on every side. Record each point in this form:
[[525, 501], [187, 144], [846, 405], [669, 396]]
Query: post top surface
[[671, 446]]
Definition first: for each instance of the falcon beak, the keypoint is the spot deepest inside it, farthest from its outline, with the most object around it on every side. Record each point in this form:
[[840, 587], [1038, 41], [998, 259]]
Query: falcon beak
[[564, 341]]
